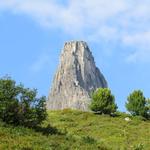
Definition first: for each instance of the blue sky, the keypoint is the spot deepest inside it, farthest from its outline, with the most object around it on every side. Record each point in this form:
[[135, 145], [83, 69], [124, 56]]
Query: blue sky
[[32, 34]]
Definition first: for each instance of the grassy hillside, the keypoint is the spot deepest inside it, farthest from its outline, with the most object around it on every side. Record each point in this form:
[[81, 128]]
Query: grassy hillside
[[78, 130]]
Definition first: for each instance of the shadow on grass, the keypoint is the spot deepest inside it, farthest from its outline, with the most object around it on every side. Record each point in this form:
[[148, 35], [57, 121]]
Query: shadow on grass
[[49, 130], [106, 114]]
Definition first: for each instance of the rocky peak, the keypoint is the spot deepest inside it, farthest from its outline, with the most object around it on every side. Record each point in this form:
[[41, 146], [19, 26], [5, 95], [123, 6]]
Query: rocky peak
[[76, 77]]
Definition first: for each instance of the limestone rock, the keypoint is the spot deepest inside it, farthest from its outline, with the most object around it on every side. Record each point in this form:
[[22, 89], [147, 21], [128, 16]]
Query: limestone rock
[[76, 77]]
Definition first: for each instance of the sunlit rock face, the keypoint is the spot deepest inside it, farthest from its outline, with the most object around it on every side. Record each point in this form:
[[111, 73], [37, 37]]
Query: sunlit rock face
[[75, 79]]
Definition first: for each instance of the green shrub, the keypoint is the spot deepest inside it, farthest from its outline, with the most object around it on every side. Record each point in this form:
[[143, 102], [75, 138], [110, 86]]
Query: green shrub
[[103, 101], [136, 104], [19, 105]]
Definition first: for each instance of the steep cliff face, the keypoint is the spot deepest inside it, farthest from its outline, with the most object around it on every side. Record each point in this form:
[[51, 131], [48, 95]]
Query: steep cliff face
[[76, 77]]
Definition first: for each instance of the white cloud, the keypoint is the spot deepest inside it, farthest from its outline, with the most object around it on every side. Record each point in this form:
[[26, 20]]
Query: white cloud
[[125, 21], [76, 16], [141, 42], [138, 39]]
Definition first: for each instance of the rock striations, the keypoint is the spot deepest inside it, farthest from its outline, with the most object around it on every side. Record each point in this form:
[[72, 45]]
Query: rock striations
[[76, 77]]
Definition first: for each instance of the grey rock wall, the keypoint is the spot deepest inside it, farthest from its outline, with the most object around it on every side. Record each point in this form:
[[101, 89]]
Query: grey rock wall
[[76, 77]]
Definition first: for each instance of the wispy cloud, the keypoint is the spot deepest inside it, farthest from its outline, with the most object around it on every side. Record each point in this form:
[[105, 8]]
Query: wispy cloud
[[125, 21], [41, 63], [141, 43]]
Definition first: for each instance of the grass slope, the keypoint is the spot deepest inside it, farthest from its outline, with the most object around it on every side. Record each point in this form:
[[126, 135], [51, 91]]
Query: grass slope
[[78, 130]]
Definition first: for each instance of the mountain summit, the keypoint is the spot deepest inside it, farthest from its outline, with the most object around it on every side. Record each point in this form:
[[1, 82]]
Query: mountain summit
[[76, 77]]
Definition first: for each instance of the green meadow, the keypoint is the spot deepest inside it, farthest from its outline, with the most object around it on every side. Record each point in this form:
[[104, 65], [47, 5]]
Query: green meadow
[[76, 130]]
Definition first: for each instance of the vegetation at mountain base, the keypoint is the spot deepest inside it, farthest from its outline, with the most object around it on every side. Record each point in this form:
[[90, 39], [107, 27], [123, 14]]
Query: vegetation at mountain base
[[137, 104], [25, 124], [75, 130], [103, 101], [20, 105]]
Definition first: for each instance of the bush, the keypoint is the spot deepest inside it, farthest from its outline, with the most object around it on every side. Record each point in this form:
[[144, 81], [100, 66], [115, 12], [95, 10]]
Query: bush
[[103, 101], [136, 104], [19, 105]]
